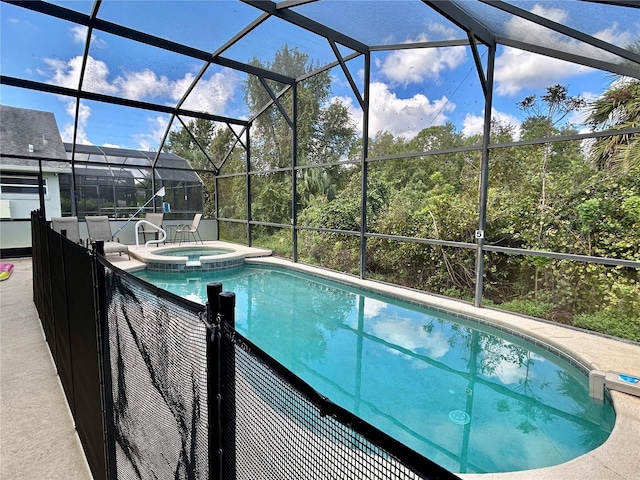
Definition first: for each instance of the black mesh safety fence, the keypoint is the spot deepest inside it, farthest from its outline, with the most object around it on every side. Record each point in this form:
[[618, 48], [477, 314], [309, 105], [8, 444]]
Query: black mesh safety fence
[[38, 257], [62, 345], [277, 427], [157, 357], [64, 279], [44, 290], [164, 388], [86, 353]]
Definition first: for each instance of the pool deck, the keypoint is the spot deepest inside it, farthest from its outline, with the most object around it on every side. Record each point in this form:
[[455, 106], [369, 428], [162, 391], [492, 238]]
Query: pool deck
[[38, 439]]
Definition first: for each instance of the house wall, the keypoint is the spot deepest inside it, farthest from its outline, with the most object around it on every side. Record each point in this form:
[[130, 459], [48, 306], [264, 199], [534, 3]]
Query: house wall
[[21, 205], [15, 234]]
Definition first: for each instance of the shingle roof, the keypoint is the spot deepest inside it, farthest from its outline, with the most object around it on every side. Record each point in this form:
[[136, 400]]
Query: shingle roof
[[21, 127]]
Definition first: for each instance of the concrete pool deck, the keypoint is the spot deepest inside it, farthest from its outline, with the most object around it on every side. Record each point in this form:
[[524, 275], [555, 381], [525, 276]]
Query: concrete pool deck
[[37, 435], [37, 438]]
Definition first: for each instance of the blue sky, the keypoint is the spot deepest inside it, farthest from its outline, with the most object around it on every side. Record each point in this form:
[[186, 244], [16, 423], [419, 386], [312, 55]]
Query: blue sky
[[410, 89]]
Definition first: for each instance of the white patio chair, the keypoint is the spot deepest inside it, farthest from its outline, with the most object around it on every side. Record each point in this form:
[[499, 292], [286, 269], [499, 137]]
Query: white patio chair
[[185, 230]]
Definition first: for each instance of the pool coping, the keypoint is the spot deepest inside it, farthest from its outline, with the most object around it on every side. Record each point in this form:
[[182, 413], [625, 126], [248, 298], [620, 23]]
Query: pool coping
[[613, 460], [149, 258]]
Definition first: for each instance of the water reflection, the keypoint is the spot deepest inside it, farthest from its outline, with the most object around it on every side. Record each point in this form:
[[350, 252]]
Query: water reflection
[[405, 369]]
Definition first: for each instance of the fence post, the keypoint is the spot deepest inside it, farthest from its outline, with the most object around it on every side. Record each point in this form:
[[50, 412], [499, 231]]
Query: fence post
[[228, 382], [102, 329], [213, 381]]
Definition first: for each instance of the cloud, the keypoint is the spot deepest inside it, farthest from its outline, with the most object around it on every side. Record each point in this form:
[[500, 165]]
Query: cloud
[[510, 373], [142, 85], [373, 307], [517, 70], [67, 74], [212, 94], [404, 117], [79, 36], [615, 36], [419, 64], [84, 112], [209, 95], [579, 117], [474, 124], [61, 73], [150, 140]]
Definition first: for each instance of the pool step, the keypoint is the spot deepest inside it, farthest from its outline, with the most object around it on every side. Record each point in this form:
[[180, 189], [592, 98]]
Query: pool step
[[193, 263], [614, 381]]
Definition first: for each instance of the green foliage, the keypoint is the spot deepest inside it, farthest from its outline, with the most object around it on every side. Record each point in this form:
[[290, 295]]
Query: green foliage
[[337, 251], [232, 232], [541, 197], [271, 198], [325, 131], [533, 308], [206, 146], [618, 108], [278, 240], [621, 326]]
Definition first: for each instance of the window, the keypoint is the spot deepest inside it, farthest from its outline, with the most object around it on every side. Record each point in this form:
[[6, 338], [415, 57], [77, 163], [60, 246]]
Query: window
[[21, 184]]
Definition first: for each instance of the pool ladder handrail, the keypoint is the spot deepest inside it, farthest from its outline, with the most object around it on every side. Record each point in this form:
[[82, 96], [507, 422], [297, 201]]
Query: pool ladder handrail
[[139, 223]]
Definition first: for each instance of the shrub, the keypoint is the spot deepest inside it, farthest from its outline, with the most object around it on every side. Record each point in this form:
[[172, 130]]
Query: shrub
[[533, 308], [605, 322]]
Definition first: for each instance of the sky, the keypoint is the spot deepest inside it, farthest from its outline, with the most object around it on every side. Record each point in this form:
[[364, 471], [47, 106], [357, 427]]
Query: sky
[[411, 89]]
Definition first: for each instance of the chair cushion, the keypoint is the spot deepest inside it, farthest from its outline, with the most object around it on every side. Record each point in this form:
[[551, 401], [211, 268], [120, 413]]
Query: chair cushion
[[115, 247]]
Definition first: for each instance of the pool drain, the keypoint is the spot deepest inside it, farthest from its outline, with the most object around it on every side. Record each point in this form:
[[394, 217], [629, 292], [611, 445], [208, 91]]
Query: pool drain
[[459, 417]]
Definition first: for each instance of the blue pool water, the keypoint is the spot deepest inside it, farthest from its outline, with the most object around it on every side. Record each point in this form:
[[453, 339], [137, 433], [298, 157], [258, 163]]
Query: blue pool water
[[468, 397]]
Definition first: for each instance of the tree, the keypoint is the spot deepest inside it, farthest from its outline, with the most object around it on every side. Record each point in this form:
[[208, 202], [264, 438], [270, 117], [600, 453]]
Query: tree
[[216, 142], [545, 117], [544, 121], [618, 108], [325, 134]]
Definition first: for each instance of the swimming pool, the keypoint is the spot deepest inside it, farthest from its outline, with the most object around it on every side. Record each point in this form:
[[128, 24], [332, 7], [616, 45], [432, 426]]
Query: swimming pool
[[469, 397]]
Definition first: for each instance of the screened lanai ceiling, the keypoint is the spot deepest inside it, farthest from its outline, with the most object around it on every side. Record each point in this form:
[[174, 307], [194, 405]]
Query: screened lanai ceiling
[[125, 73]]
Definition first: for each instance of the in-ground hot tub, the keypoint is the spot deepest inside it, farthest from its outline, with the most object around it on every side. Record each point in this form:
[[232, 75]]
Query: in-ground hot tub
[[213, 256]]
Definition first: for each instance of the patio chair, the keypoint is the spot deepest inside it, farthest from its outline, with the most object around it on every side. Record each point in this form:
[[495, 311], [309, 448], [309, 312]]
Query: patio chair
[[69, 225], [99, 228], [192, 229], [156, 219]]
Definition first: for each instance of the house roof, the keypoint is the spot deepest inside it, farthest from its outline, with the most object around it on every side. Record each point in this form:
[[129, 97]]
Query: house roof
[[27, 136]]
